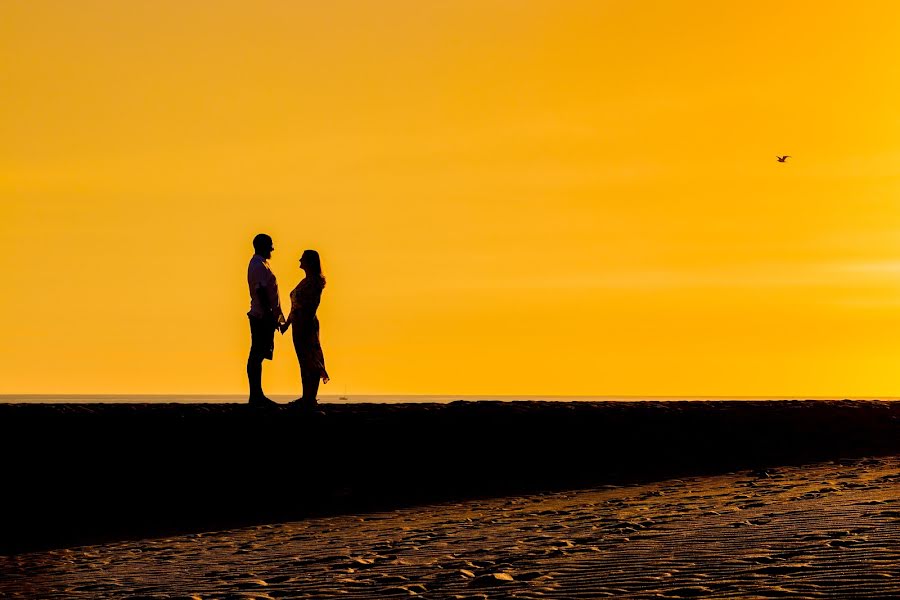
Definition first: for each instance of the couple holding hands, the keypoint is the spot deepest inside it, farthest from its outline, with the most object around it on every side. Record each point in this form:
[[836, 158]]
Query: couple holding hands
[[266, 316]]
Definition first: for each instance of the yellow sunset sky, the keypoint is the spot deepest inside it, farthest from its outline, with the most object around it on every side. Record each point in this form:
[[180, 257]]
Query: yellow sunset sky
[[513, 197]]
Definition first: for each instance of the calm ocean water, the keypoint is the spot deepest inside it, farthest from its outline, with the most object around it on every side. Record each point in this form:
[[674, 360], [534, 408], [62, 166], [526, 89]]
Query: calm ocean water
[[380, 399]]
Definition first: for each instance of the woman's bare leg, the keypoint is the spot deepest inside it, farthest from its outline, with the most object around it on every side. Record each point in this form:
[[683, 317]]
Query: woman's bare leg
[[310, 386]]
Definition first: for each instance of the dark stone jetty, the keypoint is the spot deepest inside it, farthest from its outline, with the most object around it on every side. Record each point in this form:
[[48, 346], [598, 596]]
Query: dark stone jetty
[[88, 473]]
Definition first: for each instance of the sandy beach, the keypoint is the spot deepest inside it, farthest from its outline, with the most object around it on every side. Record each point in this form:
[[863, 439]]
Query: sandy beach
[[97, 473], [828, 530]]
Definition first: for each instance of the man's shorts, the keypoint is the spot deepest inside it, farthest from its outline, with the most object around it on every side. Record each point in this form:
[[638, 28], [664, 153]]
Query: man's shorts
[[262, 337]]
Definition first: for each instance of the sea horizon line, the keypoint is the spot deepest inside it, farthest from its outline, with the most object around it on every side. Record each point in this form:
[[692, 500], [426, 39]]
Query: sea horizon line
[[405, 398]]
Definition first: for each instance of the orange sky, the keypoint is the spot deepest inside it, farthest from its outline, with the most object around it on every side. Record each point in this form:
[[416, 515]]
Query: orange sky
[[509, 197]]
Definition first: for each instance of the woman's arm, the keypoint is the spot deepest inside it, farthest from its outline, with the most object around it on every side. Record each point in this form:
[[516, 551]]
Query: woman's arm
[[309, 303]]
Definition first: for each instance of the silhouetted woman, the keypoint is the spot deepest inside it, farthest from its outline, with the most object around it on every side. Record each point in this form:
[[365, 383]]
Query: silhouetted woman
[[304, 302]]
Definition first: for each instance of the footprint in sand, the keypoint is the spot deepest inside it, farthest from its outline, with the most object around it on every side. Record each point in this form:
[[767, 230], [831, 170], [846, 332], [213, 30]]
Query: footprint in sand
[[787, 569], [404, 590], [253, 584], [695, 591], [844, 542], [789, 554], [492, 579], [359, 562], [759, 559]]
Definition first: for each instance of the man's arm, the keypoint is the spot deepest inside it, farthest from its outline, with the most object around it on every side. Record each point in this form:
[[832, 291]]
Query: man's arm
[[264, 294], [265, 303]]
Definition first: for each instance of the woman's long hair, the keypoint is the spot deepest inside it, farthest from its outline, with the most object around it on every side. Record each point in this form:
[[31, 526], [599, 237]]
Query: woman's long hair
[[313, 265]]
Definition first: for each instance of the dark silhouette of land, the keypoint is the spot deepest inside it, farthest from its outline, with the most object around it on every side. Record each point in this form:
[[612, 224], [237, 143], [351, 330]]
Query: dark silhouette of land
[[80, 473]]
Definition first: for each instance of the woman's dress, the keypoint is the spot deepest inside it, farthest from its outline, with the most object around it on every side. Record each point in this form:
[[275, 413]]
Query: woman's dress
[[305, 300]]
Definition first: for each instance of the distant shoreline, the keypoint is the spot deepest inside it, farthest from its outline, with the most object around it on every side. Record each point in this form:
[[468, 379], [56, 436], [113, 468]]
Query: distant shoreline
[[394, 398]]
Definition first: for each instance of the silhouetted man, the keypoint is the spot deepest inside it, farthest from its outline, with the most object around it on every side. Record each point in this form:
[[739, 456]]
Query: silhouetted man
[[265, 316]]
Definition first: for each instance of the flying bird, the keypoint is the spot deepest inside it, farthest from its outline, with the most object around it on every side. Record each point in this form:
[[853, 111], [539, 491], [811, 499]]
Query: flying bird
[[783, 158]]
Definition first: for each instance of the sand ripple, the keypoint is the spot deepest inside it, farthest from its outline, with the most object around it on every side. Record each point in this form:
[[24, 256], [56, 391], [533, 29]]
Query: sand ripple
[[822, 531]]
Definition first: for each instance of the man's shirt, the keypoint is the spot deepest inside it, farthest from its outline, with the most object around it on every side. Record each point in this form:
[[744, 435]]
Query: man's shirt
[[259, 275]]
